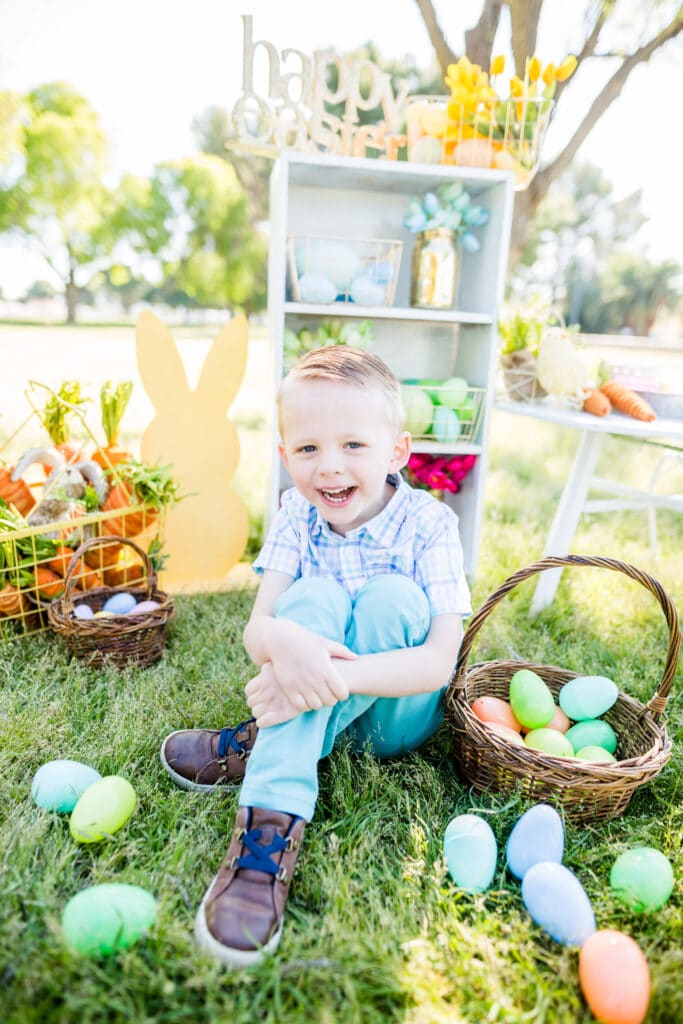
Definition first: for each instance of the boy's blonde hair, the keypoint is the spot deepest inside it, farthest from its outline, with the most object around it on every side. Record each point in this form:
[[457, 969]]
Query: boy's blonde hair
[[347, 365]]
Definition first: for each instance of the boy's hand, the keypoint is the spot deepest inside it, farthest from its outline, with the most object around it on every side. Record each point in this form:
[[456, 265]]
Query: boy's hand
[[268, 702], [304, 668]]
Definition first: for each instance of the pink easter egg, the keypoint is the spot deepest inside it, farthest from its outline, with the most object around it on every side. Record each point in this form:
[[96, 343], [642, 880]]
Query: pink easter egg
[[144, 606]]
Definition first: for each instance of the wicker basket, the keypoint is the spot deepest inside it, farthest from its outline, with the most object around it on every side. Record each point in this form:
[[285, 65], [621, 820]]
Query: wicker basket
[[587, 791], [124, 639]]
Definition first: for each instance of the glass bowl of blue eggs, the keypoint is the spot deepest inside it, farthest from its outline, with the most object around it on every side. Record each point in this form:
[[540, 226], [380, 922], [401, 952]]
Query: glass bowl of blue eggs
[[326, 270]]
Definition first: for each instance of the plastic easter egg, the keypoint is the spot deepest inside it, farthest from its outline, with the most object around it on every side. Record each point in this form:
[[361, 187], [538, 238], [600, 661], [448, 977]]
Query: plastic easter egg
[[453, 392], [587, 697], [549, 741], [615, 978], [643, 878], [329, 258], [469, 847], [432, 386], [83, 611], [103, 919], [104, 615], [530, 699], [473, 153], [592, 732], [559, 721], [557, 902], [598, 755], [426, 151], [381, 271], [102, 810], [366, 292], [418, 409], [144, 606], [119, 604], [538, 836], [505, 733], [446, 425], [317, 289], [494, 709], [58, 785]]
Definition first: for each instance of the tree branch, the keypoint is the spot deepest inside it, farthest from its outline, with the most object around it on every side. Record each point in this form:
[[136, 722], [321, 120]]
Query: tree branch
[[479, 40], [590, 42], [444, 54]]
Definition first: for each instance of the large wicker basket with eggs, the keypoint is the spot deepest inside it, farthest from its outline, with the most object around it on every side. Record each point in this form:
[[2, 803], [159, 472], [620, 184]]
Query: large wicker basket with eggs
[[586, 790], [135, 637]]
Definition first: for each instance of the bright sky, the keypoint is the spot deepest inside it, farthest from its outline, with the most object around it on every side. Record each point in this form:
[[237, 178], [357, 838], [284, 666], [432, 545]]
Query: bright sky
[[150, 66]]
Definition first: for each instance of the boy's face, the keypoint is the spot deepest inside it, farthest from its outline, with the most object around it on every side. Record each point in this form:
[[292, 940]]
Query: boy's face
[[338, 446]]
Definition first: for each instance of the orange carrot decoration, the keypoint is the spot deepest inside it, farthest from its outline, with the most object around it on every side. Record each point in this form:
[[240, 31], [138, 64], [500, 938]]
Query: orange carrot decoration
[[627, 401], [596, 403]]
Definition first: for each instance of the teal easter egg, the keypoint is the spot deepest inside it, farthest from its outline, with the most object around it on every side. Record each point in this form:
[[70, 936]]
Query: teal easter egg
[[592, 732], [558, 903], [103, 919], [83, 611], [643, 878], [537, 836], [317, 289], [58, 785], [418, 410], [119, 604], [454, 392], [587, 697], [470, 850], [549, 741], [366, 292], [596, 754], [531, 700], [102, 810], [329, 258], [446, 425]]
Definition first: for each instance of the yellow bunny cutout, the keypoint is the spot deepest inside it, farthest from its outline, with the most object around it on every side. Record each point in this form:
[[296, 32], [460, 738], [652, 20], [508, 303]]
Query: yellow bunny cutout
[[206, 533]]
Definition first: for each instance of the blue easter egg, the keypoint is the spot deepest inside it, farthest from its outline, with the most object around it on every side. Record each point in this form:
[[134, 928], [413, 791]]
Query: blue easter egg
[[381, 271], [537, 836], [83, 611], [119, 604], [333, 259], [592, 732], [558, 903], [366, 292], [470, 850], [587, 697], [58, 785], [446, 425], [317, 289]]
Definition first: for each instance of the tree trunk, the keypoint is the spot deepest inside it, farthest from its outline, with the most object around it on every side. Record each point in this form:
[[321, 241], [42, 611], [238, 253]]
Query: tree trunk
[[479, 40], [71, 296]]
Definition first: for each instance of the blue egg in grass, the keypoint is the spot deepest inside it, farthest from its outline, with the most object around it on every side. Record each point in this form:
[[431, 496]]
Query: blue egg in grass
[[470, 850], [558, 903], [587, 697], [537, 836], [317, 289], [58, 785], [119, 604]]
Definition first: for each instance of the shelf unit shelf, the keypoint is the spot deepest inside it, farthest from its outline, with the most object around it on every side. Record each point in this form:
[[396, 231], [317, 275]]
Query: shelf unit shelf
[[326, 196]]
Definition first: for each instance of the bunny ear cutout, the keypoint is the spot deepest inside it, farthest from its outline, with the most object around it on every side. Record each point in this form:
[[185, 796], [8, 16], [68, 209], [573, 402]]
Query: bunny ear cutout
[[225, 363], [159, 362]]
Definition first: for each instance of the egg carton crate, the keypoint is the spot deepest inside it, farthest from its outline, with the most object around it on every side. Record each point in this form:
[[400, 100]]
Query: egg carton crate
[[34, 562], [455, 415], [323, 270]]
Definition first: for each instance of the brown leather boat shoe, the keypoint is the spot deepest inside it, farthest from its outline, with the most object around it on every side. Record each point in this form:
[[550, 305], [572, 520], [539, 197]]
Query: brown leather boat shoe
[[207, 759], [240, 919]]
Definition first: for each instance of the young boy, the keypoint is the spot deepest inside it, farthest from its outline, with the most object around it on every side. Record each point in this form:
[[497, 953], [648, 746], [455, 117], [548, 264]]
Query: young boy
[[355, 630]]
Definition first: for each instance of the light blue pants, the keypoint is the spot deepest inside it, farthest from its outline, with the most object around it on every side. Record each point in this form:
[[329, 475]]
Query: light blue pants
[[389, 612]]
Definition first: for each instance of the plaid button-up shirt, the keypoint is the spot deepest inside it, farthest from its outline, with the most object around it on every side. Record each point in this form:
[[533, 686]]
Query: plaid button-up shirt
[[414, 535]]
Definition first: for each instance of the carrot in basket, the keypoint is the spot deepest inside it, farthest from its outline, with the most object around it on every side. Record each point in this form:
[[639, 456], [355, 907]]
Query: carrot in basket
[[627, 401], [47, 583], [59, 563], [596, 402]]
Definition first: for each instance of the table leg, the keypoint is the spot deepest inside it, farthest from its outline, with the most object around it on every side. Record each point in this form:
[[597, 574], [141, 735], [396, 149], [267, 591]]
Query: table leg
[[567, 515]]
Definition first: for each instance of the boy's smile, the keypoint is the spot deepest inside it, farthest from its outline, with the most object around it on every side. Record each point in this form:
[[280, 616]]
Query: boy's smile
[[339, 445]]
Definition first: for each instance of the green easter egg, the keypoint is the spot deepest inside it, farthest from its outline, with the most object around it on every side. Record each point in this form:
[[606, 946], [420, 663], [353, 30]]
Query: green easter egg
[[103, 919], [102, 810], [587, 697], [433, 388], [418, 410], [530, 699], [643, 878], [446, 425], [593, 732], [465, 409], [453, 392], [550, 741], [596, 754]]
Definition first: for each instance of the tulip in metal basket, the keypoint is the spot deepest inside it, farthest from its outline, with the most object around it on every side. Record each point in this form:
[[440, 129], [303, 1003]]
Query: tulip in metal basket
[[587, 791], [134, 638]]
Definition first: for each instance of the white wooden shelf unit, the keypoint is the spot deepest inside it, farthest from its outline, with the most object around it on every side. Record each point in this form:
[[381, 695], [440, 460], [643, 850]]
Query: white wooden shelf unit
[[335, 197]]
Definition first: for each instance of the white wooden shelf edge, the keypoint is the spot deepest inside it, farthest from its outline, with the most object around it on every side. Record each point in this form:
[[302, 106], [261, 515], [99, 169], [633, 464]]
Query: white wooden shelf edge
[[454, 448], [440, 316]]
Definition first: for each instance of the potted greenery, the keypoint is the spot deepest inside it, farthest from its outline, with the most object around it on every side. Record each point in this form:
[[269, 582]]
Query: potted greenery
[[520, 335]]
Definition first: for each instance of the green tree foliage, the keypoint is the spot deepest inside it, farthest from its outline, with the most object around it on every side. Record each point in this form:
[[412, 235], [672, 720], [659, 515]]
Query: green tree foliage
[[629, 294]]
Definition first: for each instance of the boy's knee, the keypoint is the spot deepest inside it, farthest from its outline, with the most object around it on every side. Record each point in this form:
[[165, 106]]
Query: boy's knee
[[318, 604], [396, 592], [389, 612]]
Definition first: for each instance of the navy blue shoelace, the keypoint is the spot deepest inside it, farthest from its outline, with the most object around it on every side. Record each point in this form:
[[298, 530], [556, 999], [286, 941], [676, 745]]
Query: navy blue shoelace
[[259, 857], [228, 739]]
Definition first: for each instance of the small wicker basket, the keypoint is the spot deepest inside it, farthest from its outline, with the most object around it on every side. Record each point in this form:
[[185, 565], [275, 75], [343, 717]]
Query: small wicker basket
[[587, 791], [124, 639]]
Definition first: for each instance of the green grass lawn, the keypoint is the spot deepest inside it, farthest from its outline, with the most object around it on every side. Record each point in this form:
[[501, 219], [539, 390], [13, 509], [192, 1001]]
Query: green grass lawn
[[375, 931]]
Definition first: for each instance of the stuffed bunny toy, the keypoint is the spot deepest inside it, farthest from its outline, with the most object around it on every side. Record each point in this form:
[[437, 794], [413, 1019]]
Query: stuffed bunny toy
[[206, 532]]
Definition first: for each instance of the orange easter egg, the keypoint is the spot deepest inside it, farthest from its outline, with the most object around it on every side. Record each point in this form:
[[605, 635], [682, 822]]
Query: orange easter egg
[[615, 978], [494, 709], [506, 733], [559, 722]]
